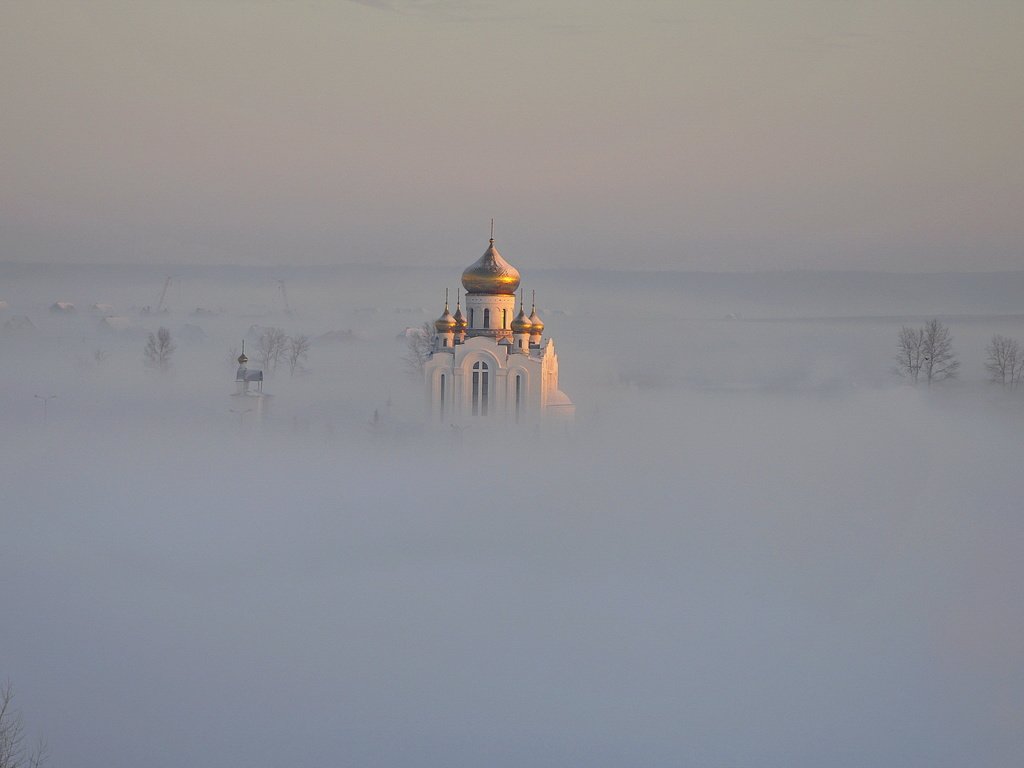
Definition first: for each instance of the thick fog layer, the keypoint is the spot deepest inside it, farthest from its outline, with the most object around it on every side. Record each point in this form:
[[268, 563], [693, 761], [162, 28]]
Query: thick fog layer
[[756, 547]]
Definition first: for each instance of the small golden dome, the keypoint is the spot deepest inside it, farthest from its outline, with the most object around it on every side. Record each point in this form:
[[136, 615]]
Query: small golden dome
[[522, 323], [535, 321], [445, 323], [491, 274], [242, 359], [460, 320]]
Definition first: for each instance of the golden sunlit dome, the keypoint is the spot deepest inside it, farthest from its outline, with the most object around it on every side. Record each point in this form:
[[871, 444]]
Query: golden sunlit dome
[[460, 320], [491, 274], [445, 323], [522, 323], [535, 321]]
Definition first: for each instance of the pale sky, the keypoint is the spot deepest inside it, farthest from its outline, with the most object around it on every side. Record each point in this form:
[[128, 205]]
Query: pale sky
[[645, 134]]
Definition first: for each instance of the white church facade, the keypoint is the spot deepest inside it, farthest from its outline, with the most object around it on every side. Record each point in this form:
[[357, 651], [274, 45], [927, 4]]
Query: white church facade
[[490, 364]]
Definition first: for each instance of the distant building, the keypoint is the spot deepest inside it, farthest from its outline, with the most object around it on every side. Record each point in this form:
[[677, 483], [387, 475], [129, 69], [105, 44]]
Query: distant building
[[249, 397], [492, 364]]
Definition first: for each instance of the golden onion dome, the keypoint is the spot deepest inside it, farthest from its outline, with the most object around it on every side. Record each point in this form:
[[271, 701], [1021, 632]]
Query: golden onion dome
[[460, 320], [535, 321], [522, 323], [491, 274], [242, 359], [445, 323]]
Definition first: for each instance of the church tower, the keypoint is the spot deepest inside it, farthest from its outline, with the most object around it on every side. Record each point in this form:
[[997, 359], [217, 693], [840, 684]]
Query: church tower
[[491, 364]]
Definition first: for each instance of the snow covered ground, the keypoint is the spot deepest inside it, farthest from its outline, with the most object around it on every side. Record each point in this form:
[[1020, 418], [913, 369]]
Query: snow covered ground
[[757, 547]]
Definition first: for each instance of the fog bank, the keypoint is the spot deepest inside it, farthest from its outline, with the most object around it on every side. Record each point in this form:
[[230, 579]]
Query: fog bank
[[756, 547]]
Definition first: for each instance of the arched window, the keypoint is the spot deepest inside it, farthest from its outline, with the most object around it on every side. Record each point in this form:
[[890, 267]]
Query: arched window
[[442, 397], [480, 388], [471, 317], [487, 318], [504, 318]]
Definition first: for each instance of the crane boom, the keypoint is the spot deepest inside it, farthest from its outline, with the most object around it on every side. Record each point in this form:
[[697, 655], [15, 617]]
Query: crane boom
[[163, 295]]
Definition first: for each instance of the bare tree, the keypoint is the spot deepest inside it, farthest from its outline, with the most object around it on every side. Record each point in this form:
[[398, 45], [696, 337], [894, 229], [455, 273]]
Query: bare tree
[[297, 351], [159, 349], [13, 752], [419, 348], [911, 353], [939, 359], [1004, 361], [270, 347]]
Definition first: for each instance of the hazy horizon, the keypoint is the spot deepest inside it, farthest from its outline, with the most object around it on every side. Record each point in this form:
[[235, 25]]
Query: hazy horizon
[[449, 266]]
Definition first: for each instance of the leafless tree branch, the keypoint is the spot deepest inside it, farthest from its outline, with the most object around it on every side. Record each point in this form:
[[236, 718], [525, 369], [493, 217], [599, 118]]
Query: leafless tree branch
[[419, 348], [940, 361], [270, 347], [159, 349], [13, 753], [910, 357], [1004, 361], [297, 351]]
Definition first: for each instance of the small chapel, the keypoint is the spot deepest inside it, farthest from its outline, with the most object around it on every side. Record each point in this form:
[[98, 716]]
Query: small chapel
[[492, 364], [249, 396]]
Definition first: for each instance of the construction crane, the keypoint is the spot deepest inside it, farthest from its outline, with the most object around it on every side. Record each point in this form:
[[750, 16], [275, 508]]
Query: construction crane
[[163, 295]]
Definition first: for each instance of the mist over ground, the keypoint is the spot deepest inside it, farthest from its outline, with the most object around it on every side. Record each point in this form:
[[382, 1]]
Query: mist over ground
[[757, 547]]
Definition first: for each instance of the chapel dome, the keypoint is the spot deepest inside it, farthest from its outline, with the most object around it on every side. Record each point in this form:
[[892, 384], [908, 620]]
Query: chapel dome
[[491, 274]]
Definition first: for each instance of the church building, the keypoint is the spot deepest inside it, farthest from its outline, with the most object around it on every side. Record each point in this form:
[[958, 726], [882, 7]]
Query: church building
[[491, 363], [249, 396]]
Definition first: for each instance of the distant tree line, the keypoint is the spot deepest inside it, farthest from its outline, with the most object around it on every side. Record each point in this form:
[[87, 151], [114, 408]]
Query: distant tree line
[[274, 346], [926, 355]]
